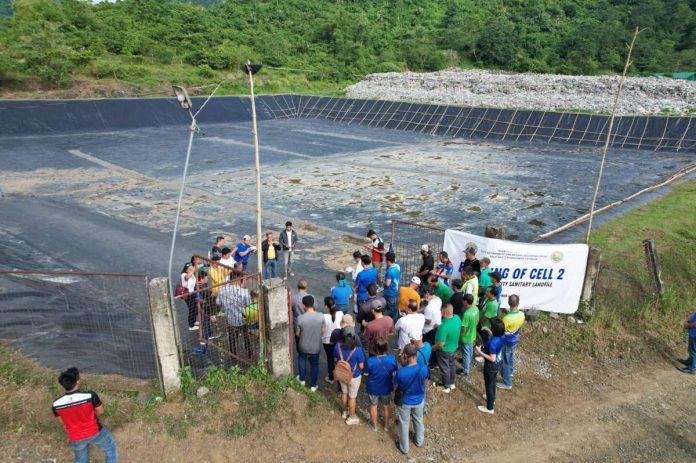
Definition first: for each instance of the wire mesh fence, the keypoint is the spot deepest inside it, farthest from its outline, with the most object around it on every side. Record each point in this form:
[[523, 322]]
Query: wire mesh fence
[[98, 322], [219, 319], [407, 238]]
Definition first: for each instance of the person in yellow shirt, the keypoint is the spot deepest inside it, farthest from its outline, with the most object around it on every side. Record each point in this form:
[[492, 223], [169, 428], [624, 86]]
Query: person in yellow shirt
[[513, 322], [270, 250], [217, 274], [409, 293]]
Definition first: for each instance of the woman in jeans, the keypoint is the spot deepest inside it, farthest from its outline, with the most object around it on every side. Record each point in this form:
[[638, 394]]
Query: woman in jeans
[[491, 354], [332, 321], [188, 282]]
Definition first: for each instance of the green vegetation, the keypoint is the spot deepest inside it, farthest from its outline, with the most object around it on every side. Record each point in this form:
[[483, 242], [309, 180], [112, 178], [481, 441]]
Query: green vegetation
[[149, 43], [630, 320]]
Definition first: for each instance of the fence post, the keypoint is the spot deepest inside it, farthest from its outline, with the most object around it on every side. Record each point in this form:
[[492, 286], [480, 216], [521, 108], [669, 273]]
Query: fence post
[[594, 260], [495, 231], [278, 344], [165, 334], [654, 268]]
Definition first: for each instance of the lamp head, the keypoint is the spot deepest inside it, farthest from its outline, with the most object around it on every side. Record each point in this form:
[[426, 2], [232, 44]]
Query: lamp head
[[182, 96]]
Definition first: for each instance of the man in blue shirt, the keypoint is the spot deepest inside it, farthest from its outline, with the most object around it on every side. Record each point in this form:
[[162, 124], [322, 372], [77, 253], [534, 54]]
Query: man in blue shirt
[[244, 250], [690, 363], [365, 278], [391, 286], [411, 379]]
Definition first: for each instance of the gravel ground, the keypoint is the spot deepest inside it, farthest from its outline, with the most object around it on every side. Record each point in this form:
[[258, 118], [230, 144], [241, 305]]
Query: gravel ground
[[640, 95]]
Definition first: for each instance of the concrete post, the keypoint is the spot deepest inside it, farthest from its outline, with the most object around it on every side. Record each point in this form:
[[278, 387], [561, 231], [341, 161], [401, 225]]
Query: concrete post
[[278, 339], [594, 260], [165, 334], [495, 231]]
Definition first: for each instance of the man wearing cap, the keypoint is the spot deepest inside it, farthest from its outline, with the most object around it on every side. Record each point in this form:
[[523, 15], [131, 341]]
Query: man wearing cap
[[373, 301], [471, 261], [244, 250], [428, 263], [391, 286], [444, 270], [410, 324], [411, 379], [288, 241], [79, 413], [409, 293]]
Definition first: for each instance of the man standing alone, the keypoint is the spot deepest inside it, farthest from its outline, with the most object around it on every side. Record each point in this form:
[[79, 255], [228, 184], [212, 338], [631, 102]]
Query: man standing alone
[[79, 411], [288, 241]]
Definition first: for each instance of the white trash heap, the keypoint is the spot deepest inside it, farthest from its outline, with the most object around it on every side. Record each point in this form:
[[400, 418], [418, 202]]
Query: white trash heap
[[545, 92]]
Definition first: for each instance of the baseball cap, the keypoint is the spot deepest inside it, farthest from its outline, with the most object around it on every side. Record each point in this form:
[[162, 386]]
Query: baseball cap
[[471, 250], [246, 237], [425, 248], [415, 280], [349, 330]]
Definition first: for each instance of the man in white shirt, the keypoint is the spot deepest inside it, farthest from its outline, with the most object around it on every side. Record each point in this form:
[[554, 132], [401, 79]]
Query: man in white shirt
[[433, 318], [410, 325], [233, 298], [227, 260]]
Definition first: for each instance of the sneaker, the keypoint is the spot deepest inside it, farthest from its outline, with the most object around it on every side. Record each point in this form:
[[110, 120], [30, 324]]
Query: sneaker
[[344, 415], [371, 426], [302, 383], [215, 336], [328, 380], [688, 371], [446, 390], [193, 328], [314, 388], [292, 274], [484, 409], [684, 361], [352, 420], [503, 386], [453, 387]]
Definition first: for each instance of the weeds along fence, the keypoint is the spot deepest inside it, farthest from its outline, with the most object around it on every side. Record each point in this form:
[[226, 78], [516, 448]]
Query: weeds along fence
[[219, 321], [97, 322]]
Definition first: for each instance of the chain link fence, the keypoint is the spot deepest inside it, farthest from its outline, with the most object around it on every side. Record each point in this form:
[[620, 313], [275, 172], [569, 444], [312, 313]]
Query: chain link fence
[[219, 320], [98, 322], [407, 238]]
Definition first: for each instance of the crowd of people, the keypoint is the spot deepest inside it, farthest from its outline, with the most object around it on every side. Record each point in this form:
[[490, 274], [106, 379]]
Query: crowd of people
[[396, 337]]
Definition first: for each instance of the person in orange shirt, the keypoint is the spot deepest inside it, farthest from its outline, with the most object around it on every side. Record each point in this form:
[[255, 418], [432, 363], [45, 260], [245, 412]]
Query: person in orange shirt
[[410, 292]]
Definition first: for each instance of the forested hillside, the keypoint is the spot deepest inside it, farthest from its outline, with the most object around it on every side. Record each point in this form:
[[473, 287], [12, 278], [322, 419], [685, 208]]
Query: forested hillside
[[150, 42]]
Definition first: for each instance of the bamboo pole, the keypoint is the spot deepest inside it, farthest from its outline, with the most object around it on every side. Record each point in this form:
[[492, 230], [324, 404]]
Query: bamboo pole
[[611, 126]]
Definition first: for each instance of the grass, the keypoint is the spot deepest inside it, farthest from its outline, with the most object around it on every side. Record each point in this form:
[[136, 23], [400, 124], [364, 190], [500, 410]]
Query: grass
[[630, 320]]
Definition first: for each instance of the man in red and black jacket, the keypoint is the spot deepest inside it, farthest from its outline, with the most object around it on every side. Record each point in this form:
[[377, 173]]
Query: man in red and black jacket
[[79, 411]]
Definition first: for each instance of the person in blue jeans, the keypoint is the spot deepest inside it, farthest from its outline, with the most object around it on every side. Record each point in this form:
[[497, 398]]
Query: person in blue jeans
[[350, 351], [411, 379], [690, 362], [491, 354], [79, 413], [512, 321], [391, 286], [310, 328]]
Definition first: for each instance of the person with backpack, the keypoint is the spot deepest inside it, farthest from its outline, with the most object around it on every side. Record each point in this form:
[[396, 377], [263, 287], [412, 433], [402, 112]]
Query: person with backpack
[[409, 398], [350, 362], [380, 370]]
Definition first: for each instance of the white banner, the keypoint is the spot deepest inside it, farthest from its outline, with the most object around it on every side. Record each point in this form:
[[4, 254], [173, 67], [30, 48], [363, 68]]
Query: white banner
[[547, 277]]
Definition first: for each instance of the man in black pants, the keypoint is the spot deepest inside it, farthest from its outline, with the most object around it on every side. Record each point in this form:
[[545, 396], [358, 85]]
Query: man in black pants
[[492, 354]]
